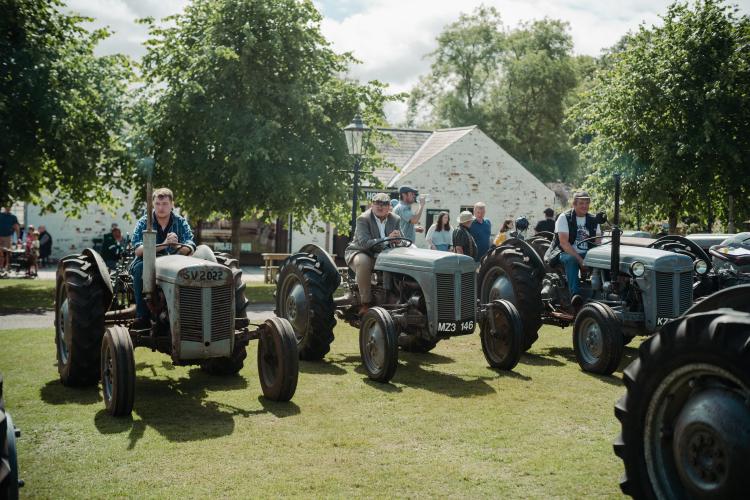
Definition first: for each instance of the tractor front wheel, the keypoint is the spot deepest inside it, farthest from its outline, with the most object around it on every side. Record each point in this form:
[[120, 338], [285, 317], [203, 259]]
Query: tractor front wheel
[[597, 339], [378, 344], [278, 359], [118, 371], [501, 334]]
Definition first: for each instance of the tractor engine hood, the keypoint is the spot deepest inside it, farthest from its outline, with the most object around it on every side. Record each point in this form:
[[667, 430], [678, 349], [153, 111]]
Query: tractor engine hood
[[402, 259], [653, 259], [189, 271]]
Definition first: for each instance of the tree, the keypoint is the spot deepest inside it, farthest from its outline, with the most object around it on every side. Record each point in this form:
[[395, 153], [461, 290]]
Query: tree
[[515, 84], [243, 111], [671, 111], [61, 109]]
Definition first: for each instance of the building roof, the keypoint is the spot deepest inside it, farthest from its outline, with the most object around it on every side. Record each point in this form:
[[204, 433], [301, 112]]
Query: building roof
[[407, 149], [398, 148]]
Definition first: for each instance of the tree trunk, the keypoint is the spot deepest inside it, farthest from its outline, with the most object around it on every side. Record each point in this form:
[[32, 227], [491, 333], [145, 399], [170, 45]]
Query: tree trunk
[[236, 220]]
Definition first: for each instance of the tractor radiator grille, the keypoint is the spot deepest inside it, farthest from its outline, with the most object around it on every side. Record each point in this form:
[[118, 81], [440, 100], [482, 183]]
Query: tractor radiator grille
[[686, 291], [445, 297], [191, 320], [468, 289], [221, 313], [666, 299], [191, 313]]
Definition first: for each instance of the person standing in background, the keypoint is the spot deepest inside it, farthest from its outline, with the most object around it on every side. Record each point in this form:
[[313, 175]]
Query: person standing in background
[[440, 236], [45, 245], [548, 223], [481, 230], [409, 219]]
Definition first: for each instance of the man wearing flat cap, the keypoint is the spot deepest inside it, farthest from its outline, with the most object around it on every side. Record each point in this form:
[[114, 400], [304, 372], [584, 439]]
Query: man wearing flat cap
[[407, 196], [568, 246], [374, 224]]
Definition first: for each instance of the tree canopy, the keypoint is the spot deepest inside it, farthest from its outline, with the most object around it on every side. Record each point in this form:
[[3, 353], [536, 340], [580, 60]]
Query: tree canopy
[[515, 84], [671, 111], [61, 109], [243, 109]]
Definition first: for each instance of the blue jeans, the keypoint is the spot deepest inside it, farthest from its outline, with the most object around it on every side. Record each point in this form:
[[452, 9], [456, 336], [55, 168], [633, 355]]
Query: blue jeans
[[571, 272], [136, 271]]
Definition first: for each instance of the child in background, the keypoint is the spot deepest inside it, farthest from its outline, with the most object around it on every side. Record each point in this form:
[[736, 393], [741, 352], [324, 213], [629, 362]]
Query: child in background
[[32, 252], [503, 234]]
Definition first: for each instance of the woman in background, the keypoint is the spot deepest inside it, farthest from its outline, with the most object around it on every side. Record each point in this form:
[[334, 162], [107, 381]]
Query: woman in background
[[440, 236], [503, 234]]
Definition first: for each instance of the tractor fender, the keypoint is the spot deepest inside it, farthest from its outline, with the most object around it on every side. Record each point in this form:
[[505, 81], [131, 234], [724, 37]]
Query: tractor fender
[[325, 260], [527, 250], [735, 297], [101, 269]]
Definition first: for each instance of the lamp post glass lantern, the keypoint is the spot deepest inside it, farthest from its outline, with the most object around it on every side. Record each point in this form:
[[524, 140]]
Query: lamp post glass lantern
[[356, 141]]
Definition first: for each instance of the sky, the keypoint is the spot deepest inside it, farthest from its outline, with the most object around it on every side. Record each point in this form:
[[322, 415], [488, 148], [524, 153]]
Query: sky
[[392, 37]]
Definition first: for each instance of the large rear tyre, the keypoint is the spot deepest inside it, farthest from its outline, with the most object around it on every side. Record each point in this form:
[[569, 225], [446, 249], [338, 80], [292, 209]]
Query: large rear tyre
[[118, 371], [501, 334], [507, 274], [278, 360], [685, 419], [304, 296], [412, 342], [378, 345], [80, 304], [9, 484], [597, 339]]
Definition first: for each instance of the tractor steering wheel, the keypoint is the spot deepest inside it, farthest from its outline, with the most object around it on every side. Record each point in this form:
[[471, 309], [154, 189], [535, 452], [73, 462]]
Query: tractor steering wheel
[[404, 242], [592, 238], [174, 245]]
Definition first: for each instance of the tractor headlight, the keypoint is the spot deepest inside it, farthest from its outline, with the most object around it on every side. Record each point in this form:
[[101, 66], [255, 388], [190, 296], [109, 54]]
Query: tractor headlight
[[701, 267], [637, 269]]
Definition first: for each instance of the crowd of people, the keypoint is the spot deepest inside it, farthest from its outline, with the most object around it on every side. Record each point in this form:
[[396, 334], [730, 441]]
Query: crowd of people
[[31, 245]]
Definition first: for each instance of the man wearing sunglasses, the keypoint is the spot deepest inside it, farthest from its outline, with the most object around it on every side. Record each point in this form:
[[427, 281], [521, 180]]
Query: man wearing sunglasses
[[374, 224]]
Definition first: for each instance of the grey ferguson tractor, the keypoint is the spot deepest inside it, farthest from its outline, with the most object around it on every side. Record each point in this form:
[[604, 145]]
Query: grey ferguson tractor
[[685, 415], [628, 291], [421, 297], [198, 311]]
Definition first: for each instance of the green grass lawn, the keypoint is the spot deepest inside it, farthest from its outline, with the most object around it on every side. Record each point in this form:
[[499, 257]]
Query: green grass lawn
[[24, 295], [448, 426]]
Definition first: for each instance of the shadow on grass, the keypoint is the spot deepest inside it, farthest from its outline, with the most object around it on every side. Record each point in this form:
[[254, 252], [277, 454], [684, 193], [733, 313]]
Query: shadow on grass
[[106, 424], [541, 360], [324, 367], [27, 297], [54, 393]]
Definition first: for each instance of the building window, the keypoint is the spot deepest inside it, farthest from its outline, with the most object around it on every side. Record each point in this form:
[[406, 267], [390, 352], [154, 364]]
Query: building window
[[469, 208]]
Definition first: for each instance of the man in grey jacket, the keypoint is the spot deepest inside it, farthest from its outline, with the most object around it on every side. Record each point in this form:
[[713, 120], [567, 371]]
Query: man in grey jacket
[[373, 225]]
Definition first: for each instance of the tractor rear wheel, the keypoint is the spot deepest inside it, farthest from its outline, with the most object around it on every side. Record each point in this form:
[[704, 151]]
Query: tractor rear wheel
[[378, 344], [506, 274], [304, 296], [597, 339], [685, 420], [118, 371], [278, 360], [413, 342], [502, 347], [9, 483], [79, 321]]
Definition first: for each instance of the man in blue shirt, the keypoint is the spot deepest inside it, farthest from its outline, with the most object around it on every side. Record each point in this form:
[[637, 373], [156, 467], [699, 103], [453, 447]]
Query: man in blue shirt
[[408, 217], [481, 230], [171, 231], [8, 226]]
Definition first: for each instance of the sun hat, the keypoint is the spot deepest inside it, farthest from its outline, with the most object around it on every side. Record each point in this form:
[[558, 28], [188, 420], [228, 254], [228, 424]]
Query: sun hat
[[465, 216]]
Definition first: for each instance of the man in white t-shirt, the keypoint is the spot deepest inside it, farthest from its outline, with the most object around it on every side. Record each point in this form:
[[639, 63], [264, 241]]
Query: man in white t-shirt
[[571, 229]]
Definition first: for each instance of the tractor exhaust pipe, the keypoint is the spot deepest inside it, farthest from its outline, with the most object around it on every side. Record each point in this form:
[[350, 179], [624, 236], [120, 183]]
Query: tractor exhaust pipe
[[615, 260], [149, 250]]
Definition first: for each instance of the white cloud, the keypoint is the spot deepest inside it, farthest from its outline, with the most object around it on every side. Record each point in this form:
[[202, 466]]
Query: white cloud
[[391, 37]]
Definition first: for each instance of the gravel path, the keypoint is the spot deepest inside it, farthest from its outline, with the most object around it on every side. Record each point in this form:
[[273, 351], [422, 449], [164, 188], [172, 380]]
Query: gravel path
[[46, 319]]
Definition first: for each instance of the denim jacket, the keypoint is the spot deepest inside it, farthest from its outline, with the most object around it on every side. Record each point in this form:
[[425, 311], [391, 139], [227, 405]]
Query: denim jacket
[[179, 225]]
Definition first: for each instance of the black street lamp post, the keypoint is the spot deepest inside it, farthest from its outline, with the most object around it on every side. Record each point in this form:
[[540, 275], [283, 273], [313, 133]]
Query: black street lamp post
[[355, 134]]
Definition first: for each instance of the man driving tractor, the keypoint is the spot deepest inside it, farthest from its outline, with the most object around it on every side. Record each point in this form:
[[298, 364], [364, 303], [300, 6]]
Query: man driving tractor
[[173, 235], [373, 225]]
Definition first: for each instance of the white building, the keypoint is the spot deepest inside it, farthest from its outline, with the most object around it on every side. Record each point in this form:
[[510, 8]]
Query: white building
[[455, 167]]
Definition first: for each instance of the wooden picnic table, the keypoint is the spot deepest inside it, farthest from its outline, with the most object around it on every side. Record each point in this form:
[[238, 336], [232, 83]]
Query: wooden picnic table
[[270, 268]]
